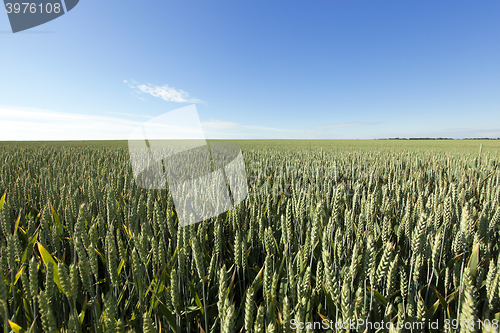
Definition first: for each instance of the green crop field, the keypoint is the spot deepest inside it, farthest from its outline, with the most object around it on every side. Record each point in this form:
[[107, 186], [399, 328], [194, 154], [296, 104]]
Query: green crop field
[[334, 236]]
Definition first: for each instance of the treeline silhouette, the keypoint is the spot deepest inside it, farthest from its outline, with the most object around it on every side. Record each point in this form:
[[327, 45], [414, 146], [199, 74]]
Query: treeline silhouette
[[440, 139]]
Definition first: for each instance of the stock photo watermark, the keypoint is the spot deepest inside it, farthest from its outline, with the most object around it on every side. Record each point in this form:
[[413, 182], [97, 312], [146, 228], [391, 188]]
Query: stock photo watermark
[[417, 325], [170, 151], [24, 15]]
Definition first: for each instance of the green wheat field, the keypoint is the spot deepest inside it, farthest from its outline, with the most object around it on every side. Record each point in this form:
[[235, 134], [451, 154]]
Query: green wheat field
[[334, 236]]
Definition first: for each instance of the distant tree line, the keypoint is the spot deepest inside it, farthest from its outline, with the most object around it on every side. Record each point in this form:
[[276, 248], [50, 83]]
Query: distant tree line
[[440, 139]]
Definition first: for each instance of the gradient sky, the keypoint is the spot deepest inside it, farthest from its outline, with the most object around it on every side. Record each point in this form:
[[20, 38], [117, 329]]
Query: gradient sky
[[256, 69]]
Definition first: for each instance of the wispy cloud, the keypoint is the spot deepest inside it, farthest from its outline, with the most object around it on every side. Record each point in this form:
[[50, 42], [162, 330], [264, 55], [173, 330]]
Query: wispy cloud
[[19, 124], [31, 124], [165, 92]]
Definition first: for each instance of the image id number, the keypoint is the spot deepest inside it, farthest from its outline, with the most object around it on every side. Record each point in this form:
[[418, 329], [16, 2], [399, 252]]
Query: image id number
[[33, 8]]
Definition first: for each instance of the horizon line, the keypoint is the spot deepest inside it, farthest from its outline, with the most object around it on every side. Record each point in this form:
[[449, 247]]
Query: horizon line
[[296, 139]]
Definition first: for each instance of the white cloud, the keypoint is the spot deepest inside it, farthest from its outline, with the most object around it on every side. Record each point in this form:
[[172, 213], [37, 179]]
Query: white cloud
[[20, 124], [30, 124], [165, 92]]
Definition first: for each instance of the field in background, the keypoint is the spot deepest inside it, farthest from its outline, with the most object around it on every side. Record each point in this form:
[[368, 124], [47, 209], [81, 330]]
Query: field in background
[[436, 145], [336, 231]]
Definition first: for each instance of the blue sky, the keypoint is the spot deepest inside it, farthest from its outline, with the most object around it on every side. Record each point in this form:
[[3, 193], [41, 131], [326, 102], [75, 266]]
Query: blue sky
[[257, 69]]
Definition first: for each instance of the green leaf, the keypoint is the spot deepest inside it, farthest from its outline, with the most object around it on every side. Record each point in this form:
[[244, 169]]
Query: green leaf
[[122, 262], [27, 310], [122, 293], [329, 298], [17, 224], [196, 297], [169, 316], [173, 259], [103, 258], [18, 275], [161, 287], [453, 296], [46, 257], [378, 296], [30, 244], [55, 217], [474, 260], [326, 320], [81, 316], [451, 263], [2, 200], [486, 178], [443, 302], [432, 310], [16, 328]]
